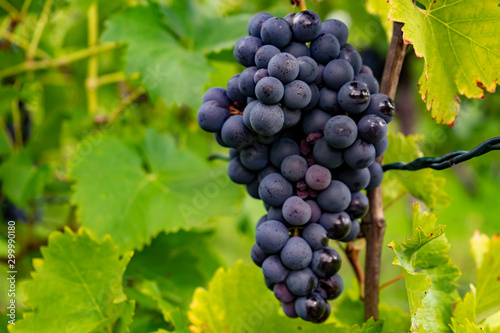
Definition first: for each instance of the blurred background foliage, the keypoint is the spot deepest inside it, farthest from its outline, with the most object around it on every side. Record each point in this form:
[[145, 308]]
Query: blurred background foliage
[[90, 92]]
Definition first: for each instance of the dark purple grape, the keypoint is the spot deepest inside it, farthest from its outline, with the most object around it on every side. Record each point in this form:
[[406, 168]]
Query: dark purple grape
[[271, 236], [336, 28], [292, 117], [381, 146], [256, 22], [310, 308], [296, 211], [359, 155], [255, 157], [282, 293], [260, 74], [325, 48], [219, 95], [245, 49], [315, 211], [381, 105], [289, 310], [306, 26], [355, 179], [233, 91], [314, 98], [327, 156], [376, 176], [253, 189], [267, 120], [354, 97], [372, 128], [349, 53], [316, 236], [269, 90], [340, 132], [281, 149], [284, 67], [274, 189], [235, 134], [337, 225], [318, 177], [359, 205], [296, 254], [264, 55], [337, 73], [276, 31], [211, 116], [297, 95], [335, 198], [302, 283], [370, 81], [258, 256], [274, 270], [294, 168], [238, 173], [308, 69], [328, 101], [332, 287], [326, 262], [297, 50], [353, 233], [314, 121], [246, 82]]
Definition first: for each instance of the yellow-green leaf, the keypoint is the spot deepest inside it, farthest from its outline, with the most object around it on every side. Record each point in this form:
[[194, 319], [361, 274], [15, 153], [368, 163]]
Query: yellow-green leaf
[[460, 41]]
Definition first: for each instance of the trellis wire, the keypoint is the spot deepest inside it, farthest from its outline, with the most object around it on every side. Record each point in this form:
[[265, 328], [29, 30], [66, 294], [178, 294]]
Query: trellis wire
[[448, 160]]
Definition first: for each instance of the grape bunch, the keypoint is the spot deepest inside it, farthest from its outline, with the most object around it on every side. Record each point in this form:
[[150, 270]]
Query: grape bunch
[[304, 123]]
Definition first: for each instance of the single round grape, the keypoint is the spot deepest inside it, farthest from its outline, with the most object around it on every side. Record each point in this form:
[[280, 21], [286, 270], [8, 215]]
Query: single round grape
[[354, 97], [282, 293], [296, 211], [238, 173], [233, 91], [308, 69], [310, 308], [253, 189], [337, 225], [256, 22], [306, 26], [353, 233], [315, 211], [255, 157], [274, 189], [319, 78], [335, 198], [372, 128], [383, 106], [266, 171], [325, 48], [340, 132], [264, 54], [302, 283], [355, 179], [274, 270], [318, 177], [337, 73], [246, 82], [297, 49], [315, 235], [275, 213], [296, 254], [219, 95], [327, 156], [294, 168], [271, 236], [247, 111], [336, 28], [289, 308], [376, 176], [260, 74], [297, 94], [245, 49], [269, 90], [348, 53], [359, 205], [324, 317], [292, 117], [314, 98], [267, 120], [370, 81], [281, 149], [314, 121], [359, 155], [258, 256], [276, 31], [326, 262], [381, 146], [328, 101], [211, 116], [284, 67], [235, 134], [366, 70], [332, 287]]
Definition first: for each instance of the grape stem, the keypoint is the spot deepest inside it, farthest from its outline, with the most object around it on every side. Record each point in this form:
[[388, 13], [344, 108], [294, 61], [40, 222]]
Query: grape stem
[[388, 283], [374, 222], [352, 253], [300, 3]]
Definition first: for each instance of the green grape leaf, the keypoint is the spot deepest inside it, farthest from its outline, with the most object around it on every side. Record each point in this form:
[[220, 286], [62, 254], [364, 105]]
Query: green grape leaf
[[460, 42], [167, 69], [116, 195], [80, 279], [237, 300], [21, 180], [371, 326], [488, 281], [480, 244], [380, 8], [424, 184], [429, 273], [159, 270], [465, 311]]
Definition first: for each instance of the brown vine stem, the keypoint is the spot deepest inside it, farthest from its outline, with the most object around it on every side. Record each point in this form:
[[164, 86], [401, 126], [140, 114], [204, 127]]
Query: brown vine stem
[[388, 283], [374, 221], [352, 253]]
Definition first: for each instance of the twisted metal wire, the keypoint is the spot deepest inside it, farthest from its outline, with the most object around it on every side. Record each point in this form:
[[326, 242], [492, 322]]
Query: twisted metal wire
[[448, 160]]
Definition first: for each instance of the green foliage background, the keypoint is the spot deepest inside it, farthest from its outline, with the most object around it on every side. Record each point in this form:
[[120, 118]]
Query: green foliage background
[[127, 227]]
